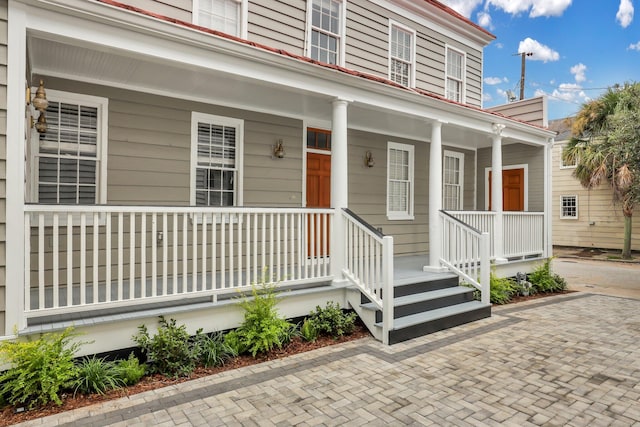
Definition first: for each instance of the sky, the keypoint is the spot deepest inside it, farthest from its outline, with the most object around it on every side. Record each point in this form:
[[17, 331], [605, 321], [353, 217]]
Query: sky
[[580, 48]]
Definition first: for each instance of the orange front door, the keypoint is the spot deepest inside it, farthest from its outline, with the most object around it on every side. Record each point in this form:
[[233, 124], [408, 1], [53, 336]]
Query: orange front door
[[318, 196], [512, 190]]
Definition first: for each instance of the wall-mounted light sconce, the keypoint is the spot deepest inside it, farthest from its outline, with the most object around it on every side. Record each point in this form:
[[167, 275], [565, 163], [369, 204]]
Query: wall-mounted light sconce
[[368, 160], [278, 150], [40, 103]]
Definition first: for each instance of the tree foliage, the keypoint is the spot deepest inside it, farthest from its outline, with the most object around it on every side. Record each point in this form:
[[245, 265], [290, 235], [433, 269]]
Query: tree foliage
[[606, 147]]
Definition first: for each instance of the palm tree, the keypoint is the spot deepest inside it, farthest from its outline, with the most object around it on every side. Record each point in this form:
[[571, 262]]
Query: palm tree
[[606, 145]]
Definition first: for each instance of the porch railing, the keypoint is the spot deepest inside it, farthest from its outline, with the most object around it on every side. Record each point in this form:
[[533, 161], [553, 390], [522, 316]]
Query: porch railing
[[82, 257], [369, 265], [522, 232], [465, 251]]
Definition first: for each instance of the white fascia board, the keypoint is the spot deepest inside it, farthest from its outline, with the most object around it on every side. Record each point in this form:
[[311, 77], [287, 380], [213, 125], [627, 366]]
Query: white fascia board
[[140, 35]]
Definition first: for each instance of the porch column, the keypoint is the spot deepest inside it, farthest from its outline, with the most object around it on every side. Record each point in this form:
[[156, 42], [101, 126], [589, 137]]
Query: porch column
[[339, 184], [435, 195], [496, 191], [548, 191]]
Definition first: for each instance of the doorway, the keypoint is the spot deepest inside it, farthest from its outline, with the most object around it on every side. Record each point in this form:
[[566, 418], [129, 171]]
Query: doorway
[[318, 188], [512, 189]]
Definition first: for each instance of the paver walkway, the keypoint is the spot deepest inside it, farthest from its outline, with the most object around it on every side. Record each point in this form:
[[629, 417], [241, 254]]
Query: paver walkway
[[566, 360]]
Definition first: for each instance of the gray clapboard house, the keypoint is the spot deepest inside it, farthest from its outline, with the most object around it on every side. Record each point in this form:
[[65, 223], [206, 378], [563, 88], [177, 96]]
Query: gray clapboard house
[[191, 148]]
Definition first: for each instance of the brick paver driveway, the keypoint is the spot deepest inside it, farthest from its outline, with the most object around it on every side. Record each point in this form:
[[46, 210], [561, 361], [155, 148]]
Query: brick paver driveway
[[567, 360]]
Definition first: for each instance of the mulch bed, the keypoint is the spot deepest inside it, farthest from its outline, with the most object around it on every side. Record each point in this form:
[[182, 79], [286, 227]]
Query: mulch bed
[[9, 415]]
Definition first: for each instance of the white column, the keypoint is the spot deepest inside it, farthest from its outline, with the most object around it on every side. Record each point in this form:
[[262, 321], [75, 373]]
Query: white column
[[339, 184], [548, 189], [496, 192], [15, 192], [435, 195]]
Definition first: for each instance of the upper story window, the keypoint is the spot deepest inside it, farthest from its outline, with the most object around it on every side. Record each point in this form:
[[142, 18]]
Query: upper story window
[[216, 157], [69, 160], [452, 181], [399, 181], [402, 55], [567, 165], [455, 75], [228, 16], [326, 42]]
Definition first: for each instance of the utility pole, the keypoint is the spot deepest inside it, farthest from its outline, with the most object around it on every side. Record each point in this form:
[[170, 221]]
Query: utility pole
[[522, 72]]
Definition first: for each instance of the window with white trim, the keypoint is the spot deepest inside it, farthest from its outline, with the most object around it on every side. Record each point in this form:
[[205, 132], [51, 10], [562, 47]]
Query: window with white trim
[[226, 16], [563, 164], [401, 55], [569, 207], [452, 180], [216, 160], [455, 75], [399, 181], [69, 165], [326, 31]]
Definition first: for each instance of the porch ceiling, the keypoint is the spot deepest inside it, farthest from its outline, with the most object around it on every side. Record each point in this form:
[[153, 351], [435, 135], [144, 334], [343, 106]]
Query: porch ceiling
[[73, 59]]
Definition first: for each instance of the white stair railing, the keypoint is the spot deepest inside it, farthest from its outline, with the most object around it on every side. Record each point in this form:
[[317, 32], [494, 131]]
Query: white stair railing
[[369, 265], [465, 251]]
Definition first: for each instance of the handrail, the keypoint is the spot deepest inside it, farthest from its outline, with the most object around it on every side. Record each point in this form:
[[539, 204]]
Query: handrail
[[464, 224], [363, 222]]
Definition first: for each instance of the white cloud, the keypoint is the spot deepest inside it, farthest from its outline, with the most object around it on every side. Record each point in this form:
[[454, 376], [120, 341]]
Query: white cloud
[[566, 92], [484, 20], [625, 13], [578, 71], [495, 80], [463, 7], [634, 46], [540, 51], [536, 8], [486, 97]]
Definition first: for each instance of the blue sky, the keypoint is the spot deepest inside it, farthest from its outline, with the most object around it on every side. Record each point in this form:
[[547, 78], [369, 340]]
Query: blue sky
[[579, 48]]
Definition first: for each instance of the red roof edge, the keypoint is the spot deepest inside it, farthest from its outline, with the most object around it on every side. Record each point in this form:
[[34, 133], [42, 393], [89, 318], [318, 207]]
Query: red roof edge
[[459, 16], [345, 70]]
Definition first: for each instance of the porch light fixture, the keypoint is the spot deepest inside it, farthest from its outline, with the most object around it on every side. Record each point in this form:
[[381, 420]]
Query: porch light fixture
[[41, 103], [368, 160], [278, 150]]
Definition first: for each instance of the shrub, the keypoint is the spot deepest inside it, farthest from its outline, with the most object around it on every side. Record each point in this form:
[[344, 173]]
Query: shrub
[[97, 376], [40, 370], [308, 331], [501, 289], [234, 341], [262, 329], [543, 280], [130, 370], [332, 321], [169, 351], [212, 350]]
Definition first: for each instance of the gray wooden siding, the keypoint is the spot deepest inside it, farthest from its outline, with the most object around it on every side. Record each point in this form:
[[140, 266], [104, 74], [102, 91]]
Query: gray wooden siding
[[279, 24], [530, 110], [600, 222], [3, 157], [516, 154], [150, 143], [367, 190]]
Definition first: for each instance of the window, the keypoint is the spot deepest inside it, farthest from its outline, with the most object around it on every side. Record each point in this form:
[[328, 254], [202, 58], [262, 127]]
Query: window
[[564, 165], [216, 156], [401, 55], [69, 159], [452, 181], [319, 139], [399, 181], [326, 41], [455, 75], [227, 16], [569, 207]]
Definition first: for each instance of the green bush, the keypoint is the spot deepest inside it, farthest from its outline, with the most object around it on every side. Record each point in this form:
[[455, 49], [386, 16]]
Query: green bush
[[308, 331], [263, 329], [97, 376], [501, 289], [543, 280], [332, 321], [212, 350], [169, 352], [234, 341], [130, 370], [40, 370]]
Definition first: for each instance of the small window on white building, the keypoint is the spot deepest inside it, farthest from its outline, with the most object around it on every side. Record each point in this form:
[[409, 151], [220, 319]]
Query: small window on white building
[[455, 75], [567, 165], [399, 181], [402, 55], [452, 181], [227, 16], [69, 159], [569, 207], [216, 157], [327, 31]]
